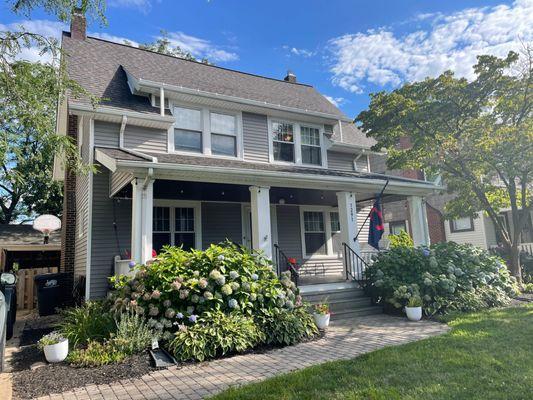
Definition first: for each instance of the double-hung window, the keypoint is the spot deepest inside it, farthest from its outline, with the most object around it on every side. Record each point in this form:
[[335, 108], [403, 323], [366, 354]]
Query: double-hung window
[[283, 141], [188, 129], [464, 224], [223, 134], [314, 233], [311, 150], [175, 226]]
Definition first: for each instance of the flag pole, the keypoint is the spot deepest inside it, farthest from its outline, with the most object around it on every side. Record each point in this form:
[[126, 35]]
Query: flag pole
[[368, 216]]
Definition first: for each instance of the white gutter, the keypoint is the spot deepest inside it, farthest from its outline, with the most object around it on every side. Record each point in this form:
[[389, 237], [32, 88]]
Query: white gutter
[[298, 177], [137, 83], [119, 113]]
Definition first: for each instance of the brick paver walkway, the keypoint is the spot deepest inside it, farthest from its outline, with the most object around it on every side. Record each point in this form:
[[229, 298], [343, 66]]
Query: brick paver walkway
[[344, 340]]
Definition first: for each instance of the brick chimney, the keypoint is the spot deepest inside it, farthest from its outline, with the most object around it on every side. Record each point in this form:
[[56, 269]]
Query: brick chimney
[[290, 77], [78, 24]]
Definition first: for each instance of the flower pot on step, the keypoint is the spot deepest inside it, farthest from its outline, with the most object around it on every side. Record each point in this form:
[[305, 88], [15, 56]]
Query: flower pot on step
[[414, 313], [321, 320], [55, 353]]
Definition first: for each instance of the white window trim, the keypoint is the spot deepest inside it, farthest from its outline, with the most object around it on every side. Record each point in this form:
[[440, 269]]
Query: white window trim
[[297, 143], [206, 131], [327, 228], [196, 205]]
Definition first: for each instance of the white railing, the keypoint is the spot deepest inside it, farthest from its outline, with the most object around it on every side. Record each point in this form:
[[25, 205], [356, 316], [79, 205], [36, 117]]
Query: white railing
[[122, 267], [526, 247]]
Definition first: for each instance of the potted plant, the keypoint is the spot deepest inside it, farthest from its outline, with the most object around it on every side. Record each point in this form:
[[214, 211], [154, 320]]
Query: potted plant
[[55, 347], [321, 315], [413, 309]]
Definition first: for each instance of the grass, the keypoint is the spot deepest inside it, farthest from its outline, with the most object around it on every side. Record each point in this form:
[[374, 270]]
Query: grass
[[486, 355]]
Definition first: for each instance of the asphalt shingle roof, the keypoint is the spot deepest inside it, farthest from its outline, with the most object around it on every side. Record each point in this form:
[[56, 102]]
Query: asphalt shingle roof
[[99, 66], [174, 159], [25, 235]]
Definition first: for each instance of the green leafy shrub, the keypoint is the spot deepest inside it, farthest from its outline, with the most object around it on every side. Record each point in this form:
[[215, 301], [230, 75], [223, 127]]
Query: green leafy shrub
[[132, 334], [527, 288], [50, 339], [96, 354], [286, 327], [92, 321], [215, 334], [447, 277], [180, 286], [402, 239]]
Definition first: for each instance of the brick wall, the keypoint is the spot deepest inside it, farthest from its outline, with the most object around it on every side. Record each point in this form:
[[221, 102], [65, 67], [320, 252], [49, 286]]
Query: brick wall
[[68, 232], [437, 233]]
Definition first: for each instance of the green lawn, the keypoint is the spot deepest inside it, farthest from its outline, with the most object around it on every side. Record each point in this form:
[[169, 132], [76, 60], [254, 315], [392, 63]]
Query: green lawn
[[487, 355]]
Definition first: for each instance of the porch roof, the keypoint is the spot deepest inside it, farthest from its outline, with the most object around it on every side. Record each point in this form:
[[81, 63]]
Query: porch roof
[[224, 170]]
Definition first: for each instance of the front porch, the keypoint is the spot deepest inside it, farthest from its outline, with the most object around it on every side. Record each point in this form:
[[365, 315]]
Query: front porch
[[312, 228]]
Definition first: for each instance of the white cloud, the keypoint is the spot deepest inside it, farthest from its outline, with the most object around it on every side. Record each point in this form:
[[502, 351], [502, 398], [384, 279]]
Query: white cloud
[[201, 48], [381, 57], [299, 52], [336, 101]]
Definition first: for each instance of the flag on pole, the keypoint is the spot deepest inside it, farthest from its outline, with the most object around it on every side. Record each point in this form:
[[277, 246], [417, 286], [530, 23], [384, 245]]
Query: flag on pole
[[376, 229]]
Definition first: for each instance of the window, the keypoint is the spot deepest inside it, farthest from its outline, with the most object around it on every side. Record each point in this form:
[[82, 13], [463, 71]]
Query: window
[[314, 233], [188, 129], [174, 226], [223, 135], [311, 150], [395, 227], [161, 228], [184, 227], [335, 232], [283, 141], [464, 224]]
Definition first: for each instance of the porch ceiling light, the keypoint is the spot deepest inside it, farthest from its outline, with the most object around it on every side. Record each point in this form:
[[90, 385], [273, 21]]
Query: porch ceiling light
[[281, 200]]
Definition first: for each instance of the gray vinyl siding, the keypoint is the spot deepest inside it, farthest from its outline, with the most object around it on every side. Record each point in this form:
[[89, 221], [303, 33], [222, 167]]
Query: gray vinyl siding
[[145, 139], [118, 180], [255, 137], [289, 234], [106, 134], [221, 221], [362, 213], [340, 161], [82, 204], [104, 242]]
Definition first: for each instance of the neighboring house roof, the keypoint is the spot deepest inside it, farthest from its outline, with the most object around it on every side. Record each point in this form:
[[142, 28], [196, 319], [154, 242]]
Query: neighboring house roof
[[100, 67], [24, 235]]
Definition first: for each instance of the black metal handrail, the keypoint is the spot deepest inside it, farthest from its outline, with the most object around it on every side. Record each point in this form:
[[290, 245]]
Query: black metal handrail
[[354, 265], [281, 259]]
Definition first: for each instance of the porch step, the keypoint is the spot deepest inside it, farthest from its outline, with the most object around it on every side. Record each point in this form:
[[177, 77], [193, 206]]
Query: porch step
[[345, 299]]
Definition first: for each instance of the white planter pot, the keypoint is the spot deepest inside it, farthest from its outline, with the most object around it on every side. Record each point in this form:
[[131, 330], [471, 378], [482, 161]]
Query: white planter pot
[[321, 320], [56, 352], [414, 313]]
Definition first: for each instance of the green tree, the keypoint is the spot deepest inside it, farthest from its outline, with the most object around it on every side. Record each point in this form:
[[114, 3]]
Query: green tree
[[29, 94], [163, 45], [478, 134]]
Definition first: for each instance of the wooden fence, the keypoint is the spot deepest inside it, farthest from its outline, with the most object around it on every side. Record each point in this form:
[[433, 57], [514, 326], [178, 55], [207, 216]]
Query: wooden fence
[[26, 288]]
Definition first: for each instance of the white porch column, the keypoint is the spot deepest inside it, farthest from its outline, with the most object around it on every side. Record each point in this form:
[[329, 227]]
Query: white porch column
[[147, 215], [136, 220], [348, 219], [260, 207], [419, 221]]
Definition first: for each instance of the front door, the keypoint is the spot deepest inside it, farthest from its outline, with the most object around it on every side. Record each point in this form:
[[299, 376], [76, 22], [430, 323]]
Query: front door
[[247, 235]]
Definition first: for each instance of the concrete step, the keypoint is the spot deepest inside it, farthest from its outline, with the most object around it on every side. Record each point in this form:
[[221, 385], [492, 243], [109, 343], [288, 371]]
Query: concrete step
[[348, 304], [356, 312], [331, 296]]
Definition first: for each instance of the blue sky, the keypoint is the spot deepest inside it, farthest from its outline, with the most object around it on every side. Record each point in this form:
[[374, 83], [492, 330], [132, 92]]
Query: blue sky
[[346, 49]]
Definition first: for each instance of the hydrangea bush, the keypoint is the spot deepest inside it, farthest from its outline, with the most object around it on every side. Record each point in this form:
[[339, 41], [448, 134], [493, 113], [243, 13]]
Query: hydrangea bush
[[176, 289], [447, 276]]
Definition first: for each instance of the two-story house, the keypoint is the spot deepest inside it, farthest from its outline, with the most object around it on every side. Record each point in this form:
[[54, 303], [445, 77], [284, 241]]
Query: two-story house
[[190, 154]]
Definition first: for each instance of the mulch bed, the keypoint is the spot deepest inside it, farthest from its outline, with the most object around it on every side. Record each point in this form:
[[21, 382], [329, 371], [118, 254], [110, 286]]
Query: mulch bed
[[60, 377]]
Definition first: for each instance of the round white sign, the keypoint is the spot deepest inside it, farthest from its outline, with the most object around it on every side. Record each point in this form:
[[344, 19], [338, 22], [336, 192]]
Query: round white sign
[[47, 223]]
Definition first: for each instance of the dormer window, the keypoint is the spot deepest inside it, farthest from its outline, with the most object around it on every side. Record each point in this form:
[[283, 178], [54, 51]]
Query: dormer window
[[311, 152]]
